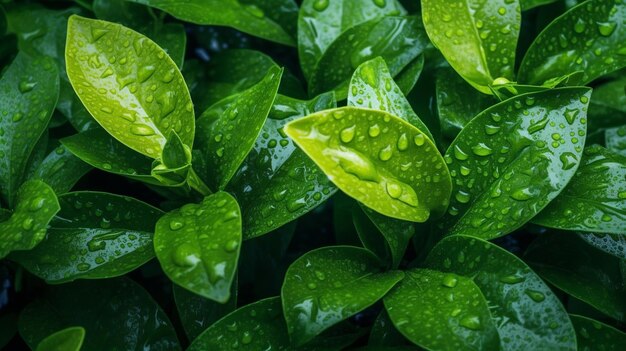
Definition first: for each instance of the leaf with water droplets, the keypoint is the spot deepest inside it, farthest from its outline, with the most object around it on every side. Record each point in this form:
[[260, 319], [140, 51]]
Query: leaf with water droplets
[[594, 335], [277, 182], [442, 311], [590, 37], [378, 159], [512, 159], [174, 167], [607, 107], [585, 272], [328, 285], [36, 204], [128, 84], [94, 235], [68, 339], [227, 131], [613, 244], [595, 199], [61, 170], [526, 313], [478, 38], [198, 245], [117, 313], [29, 89], [615, 140]]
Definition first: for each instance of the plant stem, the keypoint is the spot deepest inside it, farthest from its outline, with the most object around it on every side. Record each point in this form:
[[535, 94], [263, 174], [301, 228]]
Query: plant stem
[[197, 184]]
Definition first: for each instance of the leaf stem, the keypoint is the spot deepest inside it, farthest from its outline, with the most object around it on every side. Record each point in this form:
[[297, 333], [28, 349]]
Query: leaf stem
[[197, 184]]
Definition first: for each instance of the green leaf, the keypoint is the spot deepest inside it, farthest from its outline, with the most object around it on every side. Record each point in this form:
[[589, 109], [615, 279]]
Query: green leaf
[[590, 38], [512, 159], [277, 182], [327, 285], [442, 311], [226, 137], [94, 236], [321, 23], [526, 313], [608, 105], [198, 245], [61, 170], [68, 339], [113, 70], [373, 87], [175, 165], [407, 78], [478, 38], [615, 140], [529, 4], [244, 16], [595, 199], [36, 205], [593, 335], [580, 270], [613, 244], [403, 41], [29, 90], [384, 162], [384, 335], [116, 312]]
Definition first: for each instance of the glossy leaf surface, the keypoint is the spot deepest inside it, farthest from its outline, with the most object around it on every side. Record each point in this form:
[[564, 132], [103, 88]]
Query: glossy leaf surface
[[590, 37], [115, 83], [327, 285], [595, 198], [525, 311], [36, 204], [378, 159], [61, 170], [613, 244], [94, 236], [198, 245], [127, 317], [69, 339], [512, 159], [593, 335], [478, 38], [29, 89]]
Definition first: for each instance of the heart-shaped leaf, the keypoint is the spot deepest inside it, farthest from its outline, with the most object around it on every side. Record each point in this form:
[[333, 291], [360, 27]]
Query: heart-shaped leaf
[[593, 335], [478, 38], [61, 170], [378, 159], [198, 245], [589, 37], [128, 84], [512, 159], [68, 339], [327, 285]]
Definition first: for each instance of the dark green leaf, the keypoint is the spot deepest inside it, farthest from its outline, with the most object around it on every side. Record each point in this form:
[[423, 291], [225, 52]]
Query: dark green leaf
[[615, 139], [327, 285], [512, 159], [407, 78], [608, 105], [384, 334], [198, 245], [8, 328], [61, 170], [590, 37], [117, 313], [614, 244], [68, 339], [593, 335], [529, 4]]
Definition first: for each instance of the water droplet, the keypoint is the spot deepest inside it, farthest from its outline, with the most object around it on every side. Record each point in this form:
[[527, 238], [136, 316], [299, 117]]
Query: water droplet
[[347, 134], [394, 189], [502, 11], [606, 28], [141, 130], [462, 197], [403, 142], [320, 275], [312, 286], [145, 72], [419, 139], [246, 338], [359, 166], [95, 244], [580, 26], [374, 131], [176, 224], [512, 279], [37, 203], [219, 152], [535, 295], [385, 153], [491, 129], [26, 86], [17, 117], [482, 150], [255, 11], [185, 255], [459, 154], [320, 5], [522, 194], [83, 266], [471, 322], [449, 280], [28, 223], [380, 3], [231, 246]]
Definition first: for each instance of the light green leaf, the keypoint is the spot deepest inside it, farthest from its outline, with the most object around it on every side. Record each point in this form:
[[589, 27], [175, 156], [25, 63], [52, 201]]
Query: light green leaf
[[226, 136], [595, 199], [378, 159], [442, 311], [590, 37], [593, 335], [61, 170], [29, 89], [94, 236], [512, 159], [526, 313], [68, 339], [36, 205], [198, 245], [114, 70], [174, 167], [613, 244], [478, 38], [327, 285]]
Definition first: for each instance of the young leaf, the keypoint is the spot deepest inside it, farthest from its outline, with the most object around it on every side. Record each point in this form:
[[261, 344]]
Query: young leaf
[[478, 38], [227, 138], [613, 244], [593, 335], [526, 313], [198, 245], [512, 159], [442, 311], [327, 285], [68, 339], [378, 159], [128, 84], [117, 313], [61, 170], [595, 199], [580, 270], [241, 15], [29, 89], [36, 205], [590, 38], [94, 236]]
